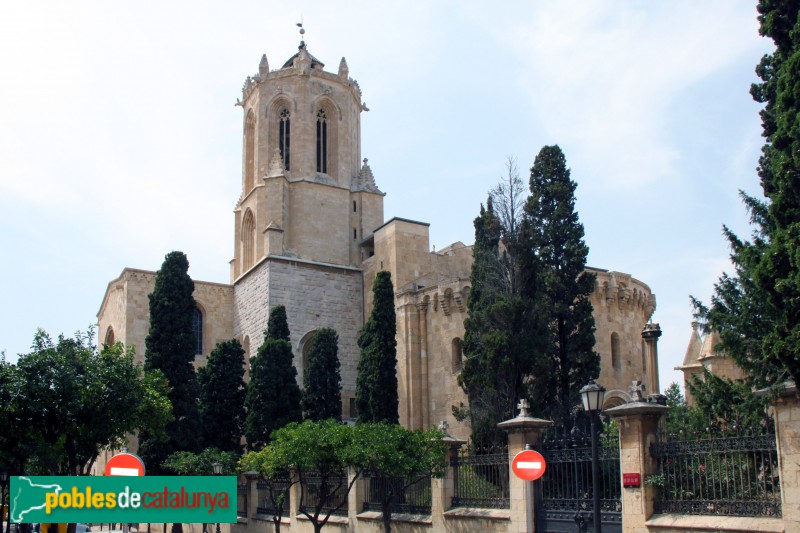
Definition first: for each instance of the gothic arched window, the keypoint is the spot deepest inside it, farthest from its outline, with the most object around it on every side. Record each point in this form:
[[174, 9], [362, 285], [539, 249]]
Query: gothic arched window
[[110, 338], [456, 355], [284, 135], [615, 361], [249, 152], [197, 329], [248, 240], [322, 142]]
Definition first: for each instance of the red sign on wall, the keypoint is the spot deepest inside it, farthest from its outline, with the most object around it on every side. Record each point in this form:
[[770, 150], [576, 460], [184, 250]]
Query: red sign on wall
[[631, 480]]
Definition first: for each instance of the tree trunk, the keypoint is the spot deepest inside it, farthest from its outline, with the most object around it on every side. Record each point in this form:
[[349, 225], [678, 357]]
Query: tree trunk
[[386, 512]]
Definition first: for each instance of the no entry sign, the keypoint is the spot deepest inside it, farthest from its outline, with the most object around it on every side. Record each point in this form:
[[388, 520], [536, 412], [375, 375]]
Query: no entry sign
[[528, 465], [125, 464]]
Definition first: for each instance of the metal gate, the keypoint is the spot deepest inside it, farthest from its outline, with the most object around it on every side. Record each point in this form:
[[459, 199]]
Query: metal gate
[[564, 493]]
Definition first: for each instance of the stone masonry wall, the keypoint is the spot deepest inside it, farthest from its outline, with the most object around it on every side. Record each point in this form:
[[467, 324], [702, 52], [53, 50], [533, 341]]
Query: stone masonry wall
[[126, 308], [316, 296]]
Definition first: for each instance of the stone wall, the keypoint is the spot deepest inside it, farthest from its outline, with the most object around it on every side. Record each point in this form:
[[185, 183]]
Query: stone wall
[[316, 296], [126, 309]]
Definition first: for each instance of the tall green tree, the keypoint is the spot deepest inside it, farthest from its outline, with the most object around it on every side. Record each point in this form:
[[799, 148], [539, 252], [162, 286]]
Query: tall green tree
[[376, 381], [171, 348], [555, 284], [278, 324], [500, 336], [222, 392], [398, 458], [321, 450], [70, 401], [756, 310], [322, 395], [273, 396]]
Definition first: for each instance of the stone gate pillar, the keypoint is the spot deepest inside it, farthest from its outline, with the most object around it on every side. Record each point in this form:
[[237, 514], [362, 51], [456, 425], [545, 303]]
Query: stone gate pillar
[[787, 433], [521, 430], [638, 425]]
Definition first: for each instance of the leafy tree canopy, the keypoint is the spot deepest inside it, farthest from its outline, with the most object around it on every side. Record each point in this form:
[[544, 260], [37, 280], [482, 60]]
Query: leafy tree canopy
[[69, 401], [201, 464], [756, 310]]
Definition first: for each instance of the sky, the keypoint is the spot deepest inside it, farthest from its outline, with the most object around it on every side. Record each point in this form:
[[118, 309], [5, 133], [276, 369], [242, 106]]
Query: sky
[[120, 141]]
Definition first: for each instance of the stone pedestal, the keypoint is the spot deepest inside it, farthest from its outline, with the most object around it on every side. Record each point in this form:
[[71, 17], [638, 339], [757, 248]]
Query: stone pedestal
[[638, 425], [442, 490], [521, 430], [787, 432]]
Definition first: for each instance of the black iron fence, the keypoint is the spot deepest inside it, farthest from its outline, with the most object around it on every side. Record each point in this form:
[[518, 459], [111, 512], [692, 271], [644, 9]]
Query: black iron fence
[[564, 493], [717, 473], [241, 499], [412, 495], [480, 478], [270, 493], [336, 492]]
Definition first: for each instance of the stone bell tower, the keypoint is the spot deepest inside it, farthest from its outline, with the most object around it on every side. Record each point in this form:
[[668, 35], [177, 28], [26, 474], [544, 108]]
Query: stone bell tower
[[306, 193], [307, 211]]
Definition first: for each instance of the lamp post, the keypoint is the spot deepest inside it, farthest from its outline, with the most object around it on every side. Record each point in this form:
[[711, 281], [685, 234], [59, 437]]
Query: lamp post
[[593, 396], [217, 466]]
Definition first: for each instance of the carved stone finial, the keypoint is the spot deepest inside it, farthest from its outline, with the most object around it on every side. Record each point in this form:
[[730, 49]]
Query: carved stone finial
[[523, 407], [443, 425], [303, 61], [276, 164], [263, 66], [637, 391], [365, 181], [344, 70]]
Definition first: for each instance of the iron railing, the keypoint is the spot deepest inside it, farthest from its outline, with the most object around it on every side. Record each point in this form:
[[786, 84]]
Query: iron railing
[[269, 493], [336, 501], [565, 492], [241, 499], [481, 479], [717, 473], [412, 495]]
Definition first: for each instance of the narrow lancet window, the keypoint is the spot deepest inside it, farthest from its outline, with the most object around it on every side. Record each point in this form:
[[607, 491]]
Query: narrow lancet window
[[197, 327], [284, 136], [322, 142], [249, 151], [248, 240]]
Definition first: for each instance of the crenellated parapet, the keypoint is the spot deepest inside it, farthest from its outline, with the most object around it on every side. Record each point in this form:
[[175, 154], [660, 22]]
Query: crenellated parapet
[[621, 291]]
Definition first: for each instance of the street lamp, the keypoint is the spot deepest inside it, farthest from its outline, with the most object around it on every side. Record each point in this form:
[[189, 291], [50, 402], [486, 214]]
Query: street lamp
[[593, 396], [217, 466]]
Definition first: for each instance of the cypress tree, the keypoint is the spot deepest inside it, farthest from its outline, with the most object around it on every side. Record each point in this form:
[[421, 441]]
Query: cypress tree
[[273, 396], [277, 325], [170, 347], [499, 337], [555, 284], [756, 311], [376, 382], [222, 391], [322, 397]]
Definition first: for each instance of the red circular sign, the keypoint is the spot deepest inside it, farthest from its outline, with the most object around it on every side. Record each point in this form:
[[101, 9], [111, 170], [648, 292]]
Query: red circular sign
[[125, 464], [528, 465]]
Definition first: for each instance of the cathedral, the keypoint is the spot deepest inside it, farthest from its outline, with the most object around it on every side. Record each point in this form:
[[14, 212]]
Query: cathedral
[[309, 233]]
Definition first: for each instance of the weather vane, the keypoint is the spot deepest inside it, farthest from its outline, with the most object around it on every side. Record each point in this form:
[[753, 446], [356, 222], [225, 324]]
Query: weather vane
[[302, 31]]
